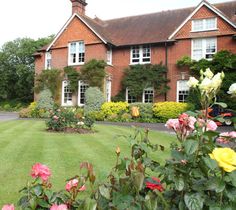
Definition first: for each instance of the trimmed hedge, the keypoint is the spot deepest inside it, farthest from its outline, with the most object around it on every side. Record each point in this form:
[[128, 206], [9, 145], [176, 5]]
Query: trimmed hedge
[[167, 110], [110, 109]]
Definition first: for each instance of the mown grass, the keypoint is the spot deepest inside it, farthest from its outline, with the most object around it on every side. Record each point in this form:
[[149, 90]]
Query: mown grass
[[25, 142]]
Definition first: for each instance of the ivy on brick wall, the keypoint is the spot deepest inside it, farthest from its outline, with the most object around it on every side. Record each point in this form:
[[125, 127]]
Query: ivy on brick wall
[[139, 77]]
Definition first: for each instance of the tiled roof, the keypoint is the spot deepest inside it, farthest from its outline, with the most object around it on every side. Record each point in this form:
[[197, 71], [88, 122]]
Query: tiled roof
[[149, 28]]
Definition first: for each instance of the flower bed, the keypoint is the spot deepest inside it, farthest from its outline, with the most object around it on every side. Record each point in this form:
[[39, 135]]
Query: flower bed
[[200, 173]]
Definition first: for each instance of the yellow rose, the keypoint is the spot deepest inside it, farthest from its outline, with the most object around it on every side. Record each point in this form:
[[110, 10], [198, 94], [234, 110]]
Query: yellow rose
[[225, 157], [135, 111]]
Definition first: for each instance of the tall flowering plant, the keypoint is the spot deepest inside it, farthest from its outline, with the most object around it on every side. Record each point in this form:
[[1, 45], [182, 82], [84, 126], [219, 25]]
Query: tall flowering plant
[[201, 172]]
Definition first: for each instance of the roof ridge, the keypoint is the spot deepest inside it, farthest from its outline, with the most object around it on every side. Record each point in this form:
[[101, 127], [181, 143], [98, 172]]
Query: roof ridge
[[168, 10]]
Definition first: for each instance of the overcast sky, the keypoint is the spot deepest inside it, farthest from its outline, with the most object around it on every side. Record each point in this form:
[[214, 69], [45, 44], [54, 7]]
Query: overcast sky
[[40, 18]]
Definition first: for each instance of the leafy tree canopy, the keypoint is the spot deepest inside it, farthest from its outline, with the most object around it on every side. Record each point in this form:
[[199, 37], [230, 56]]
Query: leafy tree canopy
[[17, 68]]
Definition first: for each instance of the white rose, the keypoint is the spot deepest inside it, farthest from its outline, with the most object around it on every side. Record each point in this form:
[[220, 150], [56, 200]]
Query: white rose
[[80, 123], [232, 89], [208, 73], [216, 81], [205, 84], [192, 82]]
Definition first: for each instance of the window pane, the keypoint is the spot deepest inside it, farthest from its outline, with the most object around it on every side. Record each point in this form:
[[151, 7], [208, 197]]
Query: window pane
[[148, 95], [210, 48], [183, 90], [197, 49], [130, 99], [83, 87], [48, 60], [135, 54], [146, 53], [197, 25], [73, 47], [210, 23], [67, 93]]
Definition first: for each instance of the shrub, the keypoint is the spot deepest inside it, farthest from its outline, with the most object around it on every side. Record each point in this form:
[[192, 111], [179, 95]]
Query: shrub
[[93, 100], [126, 117], [45, 100], [166, 110], [114, 108], [25, 113], [7, 107], [99, 116], [145, 110]]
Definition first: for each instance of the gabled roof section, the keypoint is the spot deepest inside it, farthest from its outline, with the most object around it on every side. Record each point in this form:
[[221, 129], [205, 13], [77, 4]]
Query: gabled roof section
[[151, 28], [84, 19], [212, 8]]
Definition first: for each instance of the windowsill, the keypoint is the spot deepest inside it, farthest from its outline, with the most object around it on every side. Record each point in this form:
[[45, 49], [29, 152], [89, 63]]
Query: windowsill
[[109, 64], [75, 64], [132, 64], [205, 30], [67, 105]]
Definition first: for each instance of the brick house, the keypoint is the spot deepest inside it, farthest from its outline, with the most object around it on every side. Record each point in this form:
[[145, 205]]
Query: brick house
[[163, 37]]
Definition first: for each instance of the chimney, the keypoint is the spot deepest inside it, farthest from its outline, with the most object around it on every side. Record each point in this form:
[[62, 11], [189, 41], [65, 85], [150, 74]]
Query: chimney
[[78, 6]]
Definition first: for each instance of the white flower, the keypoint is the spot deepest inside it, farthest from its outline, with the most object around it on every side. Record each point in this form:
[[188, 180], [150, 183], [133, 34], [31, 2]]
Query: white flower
[[206, 84], [192, 82], [232, 89], [208, 73], [216, 81], [80, 123]]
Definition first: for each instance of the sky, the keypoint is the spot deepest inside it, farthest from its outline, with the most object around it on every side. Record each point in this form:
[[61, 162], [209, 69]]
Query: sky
[[41, 18]]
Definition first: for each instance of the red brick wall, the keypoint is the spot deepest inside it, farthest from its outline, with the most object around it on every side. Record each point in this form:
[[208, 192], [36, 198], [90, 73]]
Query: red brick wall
[[95, 48], [223, 27]]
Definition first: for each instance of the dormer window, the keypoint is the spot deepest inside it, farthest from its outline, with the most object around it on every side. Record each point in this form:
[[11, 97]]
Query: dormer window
[[140, 54], [48, 60], [204, 24], [76, 53]]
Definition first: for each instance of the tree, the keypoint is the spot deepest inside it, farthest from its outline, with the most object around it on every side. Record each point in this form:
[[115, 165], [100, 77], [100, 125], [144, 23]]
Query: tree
[[17, 68]]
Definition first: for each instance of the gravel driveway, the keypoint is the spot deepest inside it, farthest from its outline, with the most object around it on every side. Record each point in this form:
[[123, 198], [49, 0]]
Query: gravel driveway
[[4, 116]]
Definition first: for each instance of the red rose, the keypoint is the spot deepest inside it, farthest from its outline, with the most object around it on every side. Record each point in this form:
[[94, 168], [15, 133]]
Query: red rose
[[155, 184]]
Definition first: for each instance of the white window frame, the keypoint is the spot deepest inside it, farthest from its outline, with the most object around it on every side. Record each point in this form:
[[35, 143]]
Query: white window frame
[[48, 60], [81, 83], [178, 89], [77, 52], [141, 54], [109, 56], [204, 24], [204, 48], [108, 90], [68, 102], [144, 93], [127, 97]]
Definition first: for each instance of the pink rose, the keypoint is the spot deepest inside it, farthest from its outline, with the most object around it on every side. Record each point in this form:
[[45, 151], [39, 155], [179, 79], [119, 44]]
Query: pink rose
[[231, 134], [83, 188], [55, 117], [59, 207], [173, 123], [211, 125], [191, 122], [183, 119], [8, 207], [42, 171], [72, 184]]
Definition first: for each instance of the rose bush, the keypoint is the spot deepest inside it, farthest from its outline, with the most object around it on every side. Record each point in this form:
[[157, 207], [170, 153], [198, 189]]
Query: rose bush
[[199, 174]]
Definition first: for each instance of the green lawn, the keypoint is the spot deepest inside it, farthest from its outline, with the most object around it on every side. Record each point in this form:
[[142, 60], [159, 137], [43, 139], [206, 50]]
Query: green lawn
[[23, 143]]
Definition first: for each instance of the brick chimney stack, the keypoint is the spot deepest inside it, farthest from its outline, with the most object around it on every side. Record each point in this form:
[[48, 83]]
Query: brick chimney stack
[[78, 6]]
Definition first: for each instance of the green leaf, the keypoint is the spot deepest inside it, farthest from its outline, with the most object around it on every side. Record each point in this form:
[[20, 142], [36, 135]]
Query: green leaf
[[215, 184], [232, 176], [194, 201], [211, 164], [179, 183], [89, 204], [43, 203], [105, 192], [38, 190], [190, 147], [223, 105], [138, 180]]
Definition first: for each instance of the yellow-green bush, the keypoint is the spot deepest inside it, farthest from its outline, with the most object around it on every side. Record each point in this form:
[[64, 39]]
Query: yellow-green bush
[[117, 108], [167, 110]]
